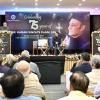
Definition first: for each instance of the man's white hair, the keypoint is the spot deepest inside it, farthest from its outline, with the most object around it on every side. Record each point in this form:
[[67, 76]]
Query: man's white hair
[[10, 58], [95, 59], [25, 53]]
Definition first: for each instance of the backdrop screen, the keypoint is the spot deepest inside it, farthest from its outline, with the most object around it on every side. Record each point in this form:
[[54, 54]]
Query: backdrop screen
[[73, 29]]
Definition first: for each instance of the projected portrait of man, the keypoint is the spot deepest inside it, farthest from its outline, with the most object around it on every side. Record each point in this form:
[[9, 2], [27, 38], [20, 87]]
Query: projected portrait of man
[[76, 37]]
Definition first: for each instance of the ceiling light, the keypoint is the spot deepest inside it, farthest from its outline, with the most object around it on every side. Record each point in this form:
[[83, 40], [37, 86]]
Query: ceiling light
[[36, 0], [60, 0], [36, 4], [12, 0], [96, 8], [58, 4], [83, 0], [13, 3], [79, 4]]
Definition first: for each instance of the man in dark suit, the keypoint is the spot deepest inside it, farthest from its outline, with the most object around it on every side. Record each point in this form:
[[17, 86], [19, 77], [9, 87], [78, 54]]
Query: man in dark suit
[[83, 64], [4, 27], [54, 42]]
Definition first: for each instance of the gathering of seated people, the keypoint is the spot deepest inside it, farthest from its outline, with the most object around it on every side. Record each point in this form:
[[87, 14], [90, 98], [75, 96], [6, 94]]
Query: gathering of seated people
[[21, 77], [34, 68], [32, 84], [30, 71], [13, 85], [90, 66], [94, 74], [78, 87]]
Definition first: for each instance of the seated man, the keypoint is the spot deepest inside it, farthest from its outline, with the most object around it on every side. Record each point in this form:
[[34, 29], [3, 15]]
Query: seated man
[[78, 87], [13, 85], [94, 75], [83, 65], [3, 68], [32, 85], [25, 56], [97, 91]]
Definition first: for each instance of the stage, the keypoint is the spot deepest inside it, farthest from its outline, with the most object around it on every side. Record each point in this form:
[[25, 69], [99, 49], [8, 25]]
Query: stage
[[51, 68]]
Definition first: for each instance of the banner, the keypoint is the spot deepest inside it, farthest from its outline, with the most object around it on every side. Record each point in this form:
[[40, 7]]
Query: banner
[[96, 42], [5, 42], [31, 26]]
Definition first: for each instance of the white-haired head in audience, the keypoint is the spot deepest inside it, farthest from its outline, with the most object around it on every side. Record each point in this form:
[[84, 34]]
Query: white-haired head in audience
[[95, 60], [25, 53], [23, 67], [10, 58]]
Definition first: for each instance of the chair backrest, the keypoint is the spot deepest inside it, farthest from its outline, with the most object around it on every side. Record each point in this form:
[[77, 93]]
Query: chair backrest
[[35, 44], [42, 43]]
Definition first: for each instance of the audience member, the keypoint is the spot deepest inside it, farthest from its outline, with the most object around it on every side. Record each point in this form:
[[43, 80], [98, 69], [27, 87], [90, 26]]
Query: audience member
[[78, 60], [34, 68], [97, 91], [94, 75], [78, 87], [32, 84], [13, 85], [3, 68], [24, 56], [83, 64], [10, 60]]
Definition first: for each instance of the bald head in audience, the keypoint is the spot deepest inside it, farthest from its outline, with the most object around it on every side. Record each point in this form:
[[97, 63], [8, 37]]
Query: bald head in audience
[[23, 67], [79, 81], [32, 84]]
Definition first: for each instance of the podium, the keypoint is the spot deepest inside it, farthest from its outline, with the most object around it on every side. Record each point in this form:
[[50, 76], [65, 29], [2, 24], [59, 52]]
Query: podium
[[5, 42]]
